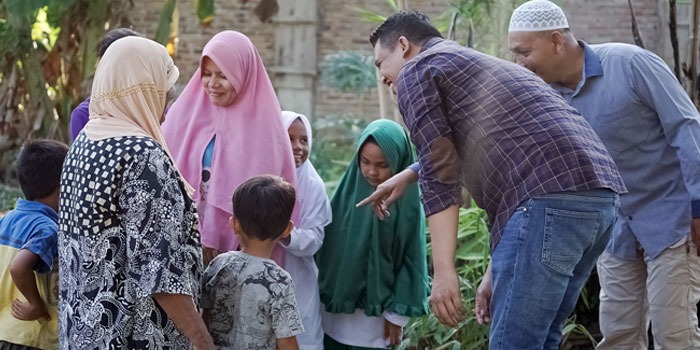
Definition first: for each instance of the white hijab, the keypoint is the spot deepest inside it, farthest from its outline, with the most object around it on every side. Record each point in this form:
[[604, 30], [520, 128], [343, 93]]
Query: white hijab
[[315, 209]]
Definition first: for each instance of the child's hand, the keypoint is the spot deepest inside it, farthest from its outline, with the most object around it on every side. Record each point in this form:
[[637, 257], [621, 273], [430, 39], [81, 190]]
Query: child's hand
[[209, 254], [26, 311], [392, 332]]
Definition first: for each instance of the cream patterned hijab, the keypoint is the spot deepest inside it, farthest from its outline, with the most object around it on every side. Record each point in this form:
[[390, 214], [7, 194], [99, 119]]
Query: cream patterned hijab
[[129, 91]]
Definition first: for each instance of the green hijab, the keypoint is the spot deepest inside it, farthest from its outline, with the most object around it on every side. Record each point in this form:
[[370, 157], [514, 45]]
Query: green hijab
[[368, 263]]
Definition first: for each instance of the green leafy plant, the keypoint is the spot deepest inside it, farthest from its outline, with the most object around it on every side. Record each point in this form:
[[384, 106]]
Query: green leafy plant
[[334, 145], [472, 259], [374, 17], [575, 332], [349, 71], [48, 52], [8, 198]]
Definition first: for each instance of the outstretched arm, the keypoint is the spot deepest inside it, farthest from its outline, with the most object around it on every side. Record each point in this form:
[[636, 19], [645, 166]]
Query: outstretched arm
[[389, 191]]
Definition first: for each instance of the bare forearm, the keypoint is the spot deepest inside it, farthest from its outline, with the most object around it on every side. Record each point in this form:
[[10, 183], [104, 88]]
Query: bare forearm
[[443, 237], [289, 343], [445, 299], [181, 309], [22, 272], [408, 176]]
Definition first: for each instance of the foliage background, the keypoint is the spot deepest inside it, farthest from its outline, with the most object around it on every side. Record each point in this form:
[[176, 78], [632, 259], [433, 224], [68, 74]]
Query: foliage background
[[48, 55]]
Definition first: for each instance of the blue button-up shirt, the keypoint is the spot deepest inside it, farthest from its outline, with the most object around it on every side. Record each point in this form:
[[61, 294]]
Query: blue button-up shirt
[[652, 130], [32, 226], [497, 129]]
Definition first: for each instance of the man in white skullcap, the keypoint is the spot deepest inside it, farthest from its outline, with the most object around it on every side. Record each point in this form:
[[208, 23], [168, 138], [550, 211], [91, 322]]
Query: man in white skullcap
[[650, 270]]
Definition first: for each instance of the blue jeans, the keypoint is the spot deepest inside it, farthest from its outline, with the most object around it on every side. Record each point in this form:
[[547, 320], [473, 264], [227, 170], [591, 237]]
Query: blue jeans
[[548, 249]]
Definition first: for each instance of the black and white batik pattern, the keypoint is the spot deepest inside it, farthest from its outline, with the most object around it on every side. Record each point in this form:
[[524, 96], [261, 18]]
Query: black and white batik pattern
[[127, 230], [250, 301]]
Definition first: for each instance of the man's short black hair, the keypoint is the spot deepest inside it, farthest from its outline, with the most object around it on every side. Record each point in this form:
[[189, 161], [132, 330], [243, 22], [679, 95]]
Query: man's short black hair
[[112, 36], [263, 206], [414, 25], [39, 165]]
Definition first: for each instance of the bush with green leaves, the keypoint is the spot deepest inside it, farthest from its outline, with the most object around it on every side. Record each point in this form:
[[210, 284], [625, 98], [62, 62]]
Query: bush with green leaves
[[333, 146], [472, 257], [472, 260], [8, 198], [349, 71]]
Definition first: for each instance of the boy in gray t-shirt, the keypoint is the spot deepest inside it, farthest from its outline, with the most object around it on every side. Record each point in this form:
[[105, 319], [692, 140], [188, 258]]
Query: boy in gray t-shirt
[[248, 300]]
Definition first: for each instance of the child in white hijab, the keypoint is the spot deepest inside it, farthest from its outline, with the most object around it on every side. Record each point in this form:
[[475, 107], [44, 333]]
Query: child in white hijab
[[307, 236]]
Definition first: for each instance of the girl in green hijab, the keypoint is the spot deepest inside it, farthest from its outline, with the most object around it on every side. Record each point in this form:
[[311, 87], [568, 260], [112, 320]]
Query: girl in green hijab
[[373, 273]]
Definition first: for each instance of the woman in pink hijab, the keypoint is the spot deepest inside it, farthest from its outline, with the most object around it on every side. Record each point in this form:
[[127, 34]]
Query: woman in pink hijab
[[224, 129]]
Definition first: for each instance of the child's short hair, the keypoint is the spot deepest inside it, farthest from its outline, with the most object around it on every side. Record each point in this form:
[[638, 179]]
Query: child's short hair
[[263, 206], [112, 36], [39, 165]]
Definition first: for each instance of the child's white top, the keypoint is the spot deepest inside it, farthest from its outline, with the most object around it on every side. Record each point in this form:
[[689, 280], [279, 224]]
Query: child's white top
[[358, 329], [306, 239]]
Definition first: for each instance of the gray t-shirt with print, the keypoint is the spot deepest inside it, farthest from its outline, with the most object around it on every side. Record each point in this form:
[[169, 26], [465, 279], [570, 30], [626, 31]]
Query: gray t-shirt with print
[[250, 301]]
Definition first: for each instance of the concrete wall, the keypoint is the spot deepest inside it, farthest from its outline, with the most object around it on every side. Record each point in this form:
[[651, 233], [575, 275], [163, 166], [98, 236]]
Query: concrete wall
[[599, 21], [340, 28]]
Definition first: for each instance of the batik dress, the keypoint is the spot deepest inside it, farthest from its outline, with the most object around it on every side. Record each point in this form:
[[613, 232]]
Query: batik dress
[[127, 230]]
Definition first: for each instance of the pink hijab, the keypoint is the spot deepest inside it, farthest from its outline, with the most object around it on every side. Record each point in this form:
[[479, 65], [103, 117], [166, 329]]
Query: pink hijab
[[250, 137]]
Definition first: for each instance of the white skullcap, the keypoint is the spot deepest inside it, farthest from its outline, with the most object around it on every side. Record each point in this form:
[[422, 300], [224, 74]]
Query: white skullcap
[[537, 15]]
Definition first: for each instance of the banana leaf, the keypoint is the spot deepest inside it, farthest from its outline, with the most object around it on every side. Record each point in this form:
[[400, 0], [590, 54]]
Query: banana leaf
[[205, 11], [164, 28]]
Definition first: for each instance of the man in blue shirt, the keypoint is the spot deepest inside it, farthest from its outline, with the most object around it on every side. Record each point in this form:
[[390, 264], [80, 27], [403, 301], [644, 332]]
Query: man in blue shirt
[[650, 269]]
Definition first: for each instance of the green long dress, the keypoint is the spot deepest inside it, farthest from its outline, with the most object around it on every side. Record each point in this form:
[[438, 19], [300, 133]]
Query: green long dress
[[371, 264]]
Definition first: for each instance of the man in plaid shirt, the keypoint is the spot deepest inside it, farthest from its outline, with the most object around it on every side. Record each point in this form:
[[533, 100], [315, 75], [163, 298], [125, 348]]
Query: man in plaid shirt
[[548, 184]]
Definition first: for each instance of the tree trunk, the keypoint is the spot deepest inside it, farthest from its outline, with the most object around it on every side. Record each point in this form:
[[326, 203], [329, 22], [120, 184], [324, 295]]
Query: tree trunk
[[693, 71], [635, 27], [673, 31]]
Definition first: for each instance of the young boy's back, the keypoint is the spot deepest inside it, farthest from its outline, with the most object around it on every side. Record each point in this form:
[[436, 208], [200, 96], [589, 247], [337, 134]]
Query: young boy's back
[[252, 301], [29, 243], [248, 300]]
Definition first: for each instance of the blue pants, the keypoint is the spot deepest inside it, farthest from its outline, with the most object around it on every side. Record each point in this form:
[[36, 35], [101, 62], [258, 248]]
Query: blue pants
[[548, 249]]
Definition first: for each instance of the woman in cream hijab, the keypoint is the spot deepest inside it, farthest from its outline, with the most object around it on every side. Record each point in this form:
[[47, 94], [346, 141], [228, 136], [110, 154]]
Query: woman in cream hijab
[[130, 257]]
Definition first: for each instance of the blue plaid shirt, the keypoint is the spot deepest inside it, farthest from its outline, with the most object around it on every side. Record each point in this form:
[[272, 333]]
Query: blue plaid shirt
[[497, 129]]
